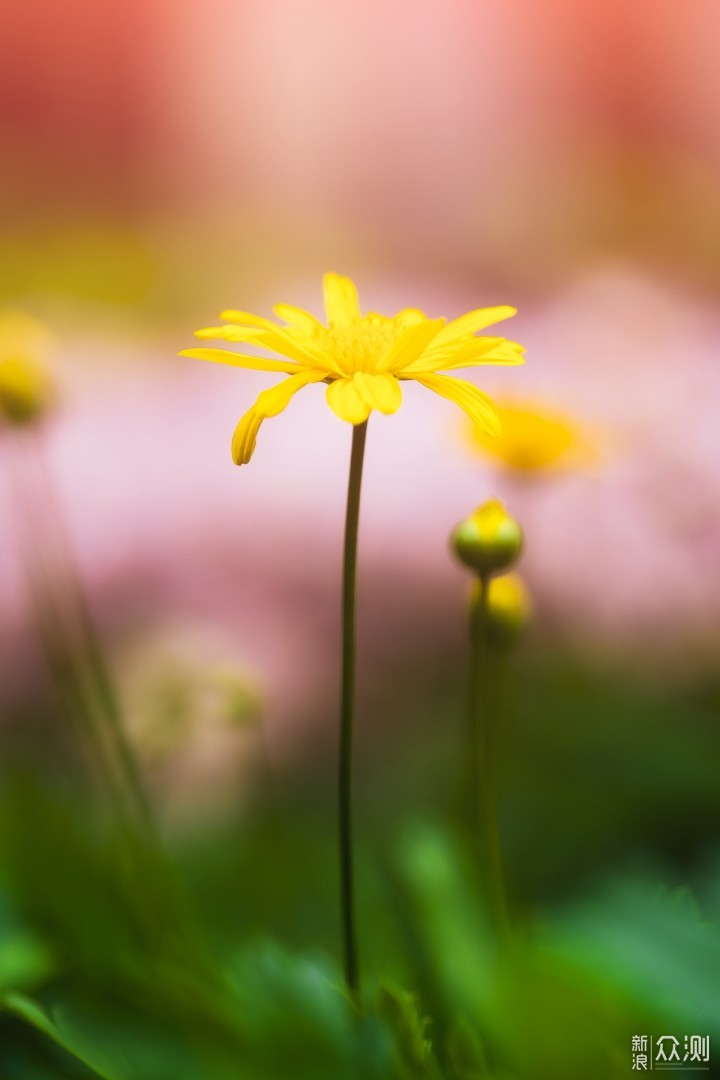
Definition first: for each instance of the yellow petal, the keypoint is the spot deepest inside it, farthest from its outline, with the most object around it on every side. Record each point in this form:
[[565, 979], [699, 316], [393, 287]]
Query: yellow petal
[[472, 400], [298, 318], [346, 401], [506, 353], [409, 346], [507, 346], [380, 391], [437, 356], [341, 300], [259, 331], [303, 350], [473, 322], [226, 333], [270, 403], [245, 318], [233, 359], [245, 437], [410, 316]]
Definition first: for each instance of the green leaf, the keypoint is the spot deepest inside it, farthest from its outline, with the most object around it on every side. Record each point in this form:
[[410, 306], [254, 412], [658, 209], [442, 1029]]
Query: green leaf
[[28, 1010], [414, 1056], [465, 1053]]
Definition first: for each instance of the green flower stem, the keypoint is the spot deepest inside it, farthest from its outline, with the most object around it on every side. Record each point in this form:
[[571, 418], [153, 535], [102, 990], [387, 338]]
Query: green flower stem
[[67, 630], [482, 745], [50, 626], [347, 711], [98, 670]]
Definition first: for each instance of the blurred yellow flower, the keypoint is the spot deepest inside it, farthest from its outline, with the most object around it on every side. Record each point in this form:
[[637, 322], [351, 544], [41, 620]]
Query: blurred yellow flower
[[25, 386], [508, 608], [363, 358], [535, 438]]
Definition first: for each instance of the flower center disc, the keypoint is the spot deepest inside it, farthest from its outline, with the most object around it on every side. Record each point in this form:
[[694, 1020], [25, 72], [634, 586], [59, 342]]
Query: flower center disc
[[362, 346]]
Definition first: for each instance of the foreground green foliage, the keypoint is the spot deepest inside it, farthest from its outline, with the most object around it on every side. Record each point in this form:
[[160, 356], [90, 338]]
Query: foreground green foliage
[[220, 959]]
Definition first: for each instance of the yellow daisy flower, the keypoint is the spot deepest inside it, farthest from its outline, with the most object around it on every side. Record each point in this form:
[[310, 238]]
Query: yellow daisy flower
[[362, 358]]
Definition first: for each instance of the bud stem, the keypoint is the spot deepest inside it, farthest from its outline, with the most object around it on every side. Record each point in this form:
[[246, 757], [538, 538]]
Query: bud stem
[[482, 742], [347, 711]]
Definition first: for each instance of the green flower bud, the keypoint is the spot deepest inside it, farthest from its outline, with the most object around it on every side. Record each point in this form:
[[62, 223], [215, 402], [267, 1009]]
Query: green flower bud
[[489, 540], [508, 609]]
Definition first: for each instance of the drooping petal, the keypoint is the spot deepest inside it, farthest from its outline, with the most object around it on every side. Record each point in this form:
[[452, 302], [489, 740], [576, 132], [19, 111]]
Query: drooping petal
[[269, 403], [409, 346], [233, 359], [469, 397], [341, 300], [298, 318], [245, 437], [473, 322], [380, 391], [346, 401]]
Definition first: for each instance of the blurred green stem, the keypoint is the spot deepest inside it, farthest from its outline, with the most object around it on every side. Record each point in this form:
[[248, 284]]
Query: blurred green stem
[[66, 629], [482, 735], [347, 711], [73, 653]]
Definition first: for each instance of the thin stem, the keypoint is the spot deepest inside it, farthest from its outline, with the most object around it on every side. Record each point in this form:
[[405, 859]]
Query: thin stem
[[147, 870], [53, 632], [482, 741], [347, 711], [90, 649]]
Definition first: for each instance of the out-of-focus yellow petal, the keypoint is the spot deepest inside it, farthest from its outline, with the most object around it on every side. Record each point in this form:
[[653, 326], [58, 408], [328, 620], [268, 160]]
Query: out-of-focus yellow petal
[[269, 403], [473, 401], [381, 391], [233, 359], [341, 300], [538, 438], [346, 401], [410, 345]]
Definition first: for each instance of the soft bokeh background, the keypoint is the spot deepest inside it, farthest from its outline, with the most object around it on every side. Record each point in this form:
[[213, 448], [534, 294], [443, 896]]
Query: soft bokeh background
[[165, 160]]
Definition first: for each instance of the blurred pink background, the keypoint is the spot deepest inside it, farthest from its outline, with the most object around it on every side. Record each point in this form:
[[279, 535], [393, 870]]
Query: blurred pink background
[[163, 161]]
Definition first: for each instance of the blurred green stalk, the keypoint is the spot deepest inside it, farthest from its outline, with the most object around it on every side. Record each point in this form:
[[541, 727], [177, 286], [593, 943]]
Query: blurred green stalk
[[482, 744], [65, 628]]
